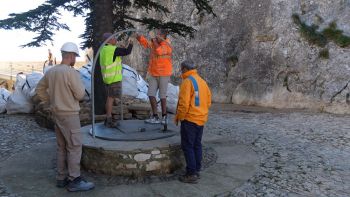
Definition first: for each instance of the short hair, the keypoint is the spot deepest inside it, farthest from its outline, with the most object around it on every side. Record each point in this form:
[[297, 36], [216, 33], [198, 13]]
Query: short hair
[[64, 53], [189, 64]]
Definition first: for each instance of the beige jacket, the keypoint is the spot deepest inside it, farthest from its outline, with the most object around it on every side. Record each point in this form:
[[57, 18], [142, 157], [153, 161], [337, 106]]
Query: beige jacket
[[62, 89]]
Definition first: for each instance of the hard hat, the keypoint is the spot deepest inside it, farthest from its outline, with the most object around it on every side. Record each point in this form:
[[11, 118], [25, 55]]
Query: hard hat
[[70, 47]]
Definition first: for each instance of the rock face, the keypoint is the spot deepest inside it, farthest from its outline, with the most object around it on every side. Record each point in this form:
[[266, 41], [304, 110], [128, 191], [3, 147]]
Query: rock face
[[252, 53]]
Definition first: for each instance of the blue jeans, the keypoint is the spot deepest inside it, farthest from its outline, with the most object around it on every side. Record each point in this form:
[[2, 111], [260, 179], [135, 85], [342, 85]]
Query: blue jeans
[[191, 137]]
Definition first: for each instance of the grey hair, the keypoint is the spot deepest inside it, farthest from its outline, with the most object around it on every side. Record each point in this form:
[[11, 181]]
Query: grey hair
[[189, 64]]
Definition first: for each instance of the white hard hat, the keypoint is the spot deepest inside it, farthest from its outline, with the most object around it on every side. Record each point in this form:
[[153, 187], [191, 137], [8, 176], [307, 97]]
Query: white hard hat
[[70, 47]]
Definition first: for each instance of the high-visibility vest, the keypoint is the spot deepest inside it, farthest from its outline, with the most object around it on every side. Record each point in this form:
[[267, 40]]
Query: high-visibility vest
[[111, 71]]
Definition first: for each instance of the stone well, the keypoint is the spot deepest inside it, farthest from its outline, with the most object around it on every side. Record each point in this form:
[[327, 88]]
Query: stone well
[[144, 156]]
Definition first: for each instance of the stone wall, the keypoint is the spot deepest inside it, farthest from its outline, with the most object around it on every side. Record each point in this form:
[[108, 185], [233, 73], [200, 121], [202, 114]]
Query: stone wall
[[252, 53], [137, 163]]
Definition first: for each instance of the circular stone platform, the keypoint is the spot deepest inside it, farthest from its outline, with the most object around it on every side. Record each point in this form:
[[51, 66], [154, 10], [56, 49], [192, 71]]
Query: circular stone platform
[[31, 173], [133, 130], [129, 152]]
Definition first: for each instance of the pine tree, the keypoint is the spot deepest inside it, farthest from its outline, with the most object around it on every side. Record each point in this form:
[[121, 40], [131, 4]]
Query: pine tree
[[100, 16]]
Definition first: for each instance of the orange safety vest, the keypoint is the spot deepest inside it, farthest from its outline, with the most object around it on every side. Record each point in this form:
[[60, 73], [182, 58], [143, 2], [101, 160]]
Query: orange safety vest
[[160, 63]]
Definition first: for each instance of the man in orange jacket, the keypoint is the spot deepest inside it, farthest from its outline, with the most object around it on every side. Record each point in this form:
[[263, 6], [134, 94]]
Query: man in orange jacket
[[192, 112], [159, 70]]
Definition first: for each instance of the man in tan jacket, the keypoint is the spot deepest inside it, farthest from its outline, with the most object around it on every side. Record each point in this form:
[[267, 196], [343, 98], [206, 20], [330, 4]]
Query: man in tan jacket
[[61, 88]]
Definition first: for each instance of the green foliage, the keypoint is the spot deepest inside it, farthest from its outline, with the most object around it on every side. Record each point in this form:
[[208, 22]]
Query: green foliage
[[324, 53], [320, 39], [44, 19], [310, 33], [336, 35]]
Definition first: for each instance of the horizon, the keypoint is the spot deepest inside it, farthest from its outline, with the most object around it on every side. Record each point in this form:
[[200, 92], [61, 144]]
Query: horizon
[[12, 39]]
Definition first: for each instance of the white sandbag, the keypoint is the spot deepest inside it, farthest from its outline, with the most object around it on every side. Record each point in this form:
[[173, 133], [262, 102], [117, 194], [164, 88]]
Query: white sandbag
[[85, 76], [31, 81], [172, 98], [18, 102], [4, 94], [20, 80], [129, 81], [47, 67], [142, 88]]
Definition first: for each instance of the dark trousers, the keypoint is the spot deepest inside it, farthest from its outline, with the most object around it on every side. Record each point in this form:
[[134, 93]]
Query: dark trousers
[[191, 137]]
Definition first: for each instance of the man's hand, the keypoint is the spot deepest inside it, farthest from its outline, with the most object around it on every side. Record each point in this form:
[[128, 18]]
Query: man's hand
[[176, 121]]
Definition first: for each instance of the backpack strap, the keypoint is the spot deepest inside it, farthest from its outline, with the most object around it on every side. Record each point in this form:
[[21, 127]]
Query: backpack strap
[[196, 90]]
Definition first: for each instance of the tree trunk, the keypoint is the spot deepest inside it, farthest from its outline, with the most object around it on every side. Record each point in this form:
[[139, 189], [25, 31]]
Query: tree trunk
[[102, 16]]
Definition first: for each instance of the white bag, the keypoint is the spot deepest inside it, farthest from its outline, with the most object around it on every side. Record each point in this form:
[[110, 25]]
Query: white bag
[[18, 102], [172, 98], [31, 81], [142, 88], [129, 81], [4, 94], [85, 76]]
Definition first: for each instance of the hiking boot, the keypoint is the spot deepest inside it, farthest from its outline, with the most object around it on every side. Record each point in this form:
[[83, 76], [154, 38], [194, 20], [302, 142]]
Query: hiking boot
[[109, 122], [164, 120], [79, 184], [62, 183], [189, 179], [153, 120]]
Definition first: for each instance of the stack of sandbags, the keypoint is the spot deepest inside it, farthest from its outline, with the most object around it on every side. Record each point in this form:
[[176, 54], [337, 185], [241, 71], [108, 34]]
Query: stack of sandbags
[[137, 108], [43, 115]]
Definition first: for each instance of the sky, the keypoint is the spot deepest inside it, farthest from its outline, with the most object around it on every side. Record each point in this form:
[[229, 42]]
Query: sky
[[10, 40]]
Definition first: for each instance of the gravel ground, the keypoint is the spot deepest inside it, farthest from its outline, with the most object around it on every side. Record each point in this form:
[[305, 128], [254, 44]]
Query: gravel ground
[[19, 133], [301, 153]]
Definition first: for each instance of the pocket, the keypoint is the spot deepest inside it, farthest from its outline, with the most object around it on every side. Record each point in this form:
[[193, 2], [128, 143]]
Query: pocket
[[76, 137]]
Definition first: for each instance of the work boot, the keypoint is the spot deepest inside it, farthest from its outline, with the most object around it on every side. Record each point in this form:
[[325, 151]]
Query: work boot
[[109, 122], [62, 183], [164, 120], [189, 179], [79, 184], [153, 120]]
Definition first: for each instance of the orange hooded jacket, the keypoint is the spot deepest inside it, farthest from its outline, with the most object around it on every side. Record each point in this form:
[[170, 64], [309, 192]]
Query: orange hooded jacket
[[188, 108], [160, 57]]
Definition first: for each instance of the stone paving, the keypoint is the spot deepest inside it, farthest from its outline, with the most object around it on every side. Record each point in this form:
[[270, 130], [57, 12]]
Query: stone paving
[[300, 153]]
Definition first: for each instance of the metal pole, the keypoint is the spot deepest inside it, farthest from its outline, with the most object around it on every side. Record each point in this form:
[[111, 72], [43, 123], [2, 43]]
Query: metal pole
[[121, 103]]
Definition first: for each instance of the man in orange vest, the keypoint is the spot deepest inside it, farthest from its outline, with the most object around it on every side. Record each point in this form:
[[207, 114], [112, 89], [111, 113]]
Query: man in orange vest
[[159, 70], [192, 111]]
